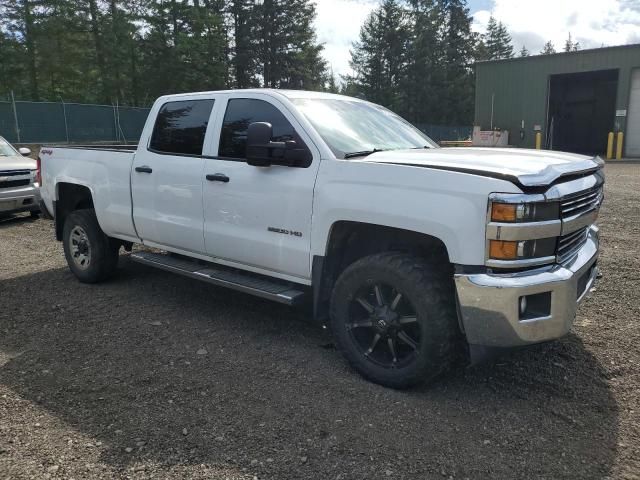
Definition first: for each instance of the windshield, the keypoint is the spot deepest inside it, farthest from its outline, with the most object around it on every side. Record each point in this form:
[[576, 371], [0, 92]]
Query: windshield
[[6, 150], [349, 126]]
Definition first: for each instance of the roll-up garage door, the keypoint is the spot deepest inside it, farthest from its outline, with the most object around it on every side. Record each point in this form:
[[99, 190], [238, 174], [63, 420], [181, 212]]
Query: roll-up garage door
[[633, 118]]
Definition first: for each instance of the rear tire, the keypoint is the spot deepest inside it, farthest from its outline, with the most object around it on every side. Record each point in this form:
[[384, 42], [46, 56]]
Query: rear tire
[[90, 254], [394, 318], [34, 214]]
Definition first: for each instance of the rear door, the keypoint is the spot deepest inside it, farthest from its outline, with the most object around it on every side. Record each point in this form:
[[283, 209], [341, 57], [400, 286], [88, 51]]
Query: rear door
[[166, 180], [259, 216]]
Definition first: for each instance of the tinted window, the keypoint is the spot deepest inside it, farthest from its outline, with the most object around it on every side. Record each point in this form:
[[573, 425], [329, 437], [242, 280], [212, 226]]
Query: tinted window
[[180, 127], [243, 111]]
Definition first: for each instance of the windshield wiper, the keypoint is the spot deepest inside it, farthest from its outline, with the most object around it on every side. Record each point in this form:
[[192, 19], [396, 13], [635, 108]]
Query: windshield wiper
[[363, 153]]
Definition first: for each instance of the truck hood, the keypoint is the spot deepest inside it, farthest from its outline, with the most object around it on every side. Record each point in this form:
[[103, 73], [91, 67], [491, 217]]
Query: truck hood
[[525, 168], [16, 162]]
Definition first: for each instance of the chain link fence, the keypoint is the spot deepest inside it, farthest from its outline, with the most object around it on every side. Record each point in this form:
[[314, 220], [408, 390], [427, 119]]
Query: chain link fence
[[57, 122]]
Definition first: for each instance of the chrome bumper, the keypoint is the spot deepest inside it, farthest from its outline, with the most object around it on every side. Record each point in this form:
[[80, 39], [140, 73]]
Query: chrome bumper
[[19, 199], [490, 303]]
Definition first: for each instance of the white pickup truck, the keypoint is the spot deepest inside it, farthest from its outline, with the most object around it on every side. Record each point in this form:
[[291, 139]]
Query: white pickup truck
[[416, 256]]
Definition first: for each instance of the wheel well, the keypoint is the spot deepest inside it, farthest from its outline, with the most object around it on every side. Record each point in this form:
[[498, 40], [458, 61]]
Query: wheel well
[[71, 197], [351, 241]]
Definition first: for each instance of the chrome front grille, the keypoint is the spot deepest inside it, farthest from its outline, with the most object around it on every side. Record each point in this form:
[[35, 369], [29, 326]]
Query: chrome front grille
[[569, 244], [581, 202]]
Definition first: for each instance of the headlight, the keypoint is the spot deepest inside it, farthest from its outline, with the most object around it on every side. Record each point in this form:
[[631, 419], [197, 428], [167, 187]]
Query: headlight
[[522, 230], [524, 212]]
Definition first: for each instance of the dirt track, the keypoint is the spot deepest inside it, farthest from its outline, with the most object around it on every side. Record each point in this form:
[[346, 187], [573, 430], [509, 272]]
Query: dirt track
[[155, 376]]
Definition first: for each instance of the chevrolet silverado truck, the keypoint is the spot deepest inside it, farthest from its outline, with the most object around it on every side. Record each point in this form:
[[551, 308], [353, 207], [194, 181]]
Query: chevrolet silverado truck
[[416, 256], [19, 185]]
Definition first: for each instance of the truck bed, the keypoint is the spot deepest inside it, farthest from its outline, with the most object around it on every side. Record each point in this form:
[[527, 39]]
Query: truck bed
[[104, 170]]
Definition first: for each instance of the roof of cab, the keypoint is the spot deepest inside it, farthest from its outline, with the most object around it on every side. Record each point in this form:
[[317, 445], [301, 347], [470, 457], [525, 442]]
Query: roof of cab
[[291, 94]]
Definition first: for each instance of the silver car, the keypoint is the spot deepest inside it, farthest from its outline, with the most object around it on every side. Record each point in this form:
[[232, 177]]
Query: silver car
[[19, 185]]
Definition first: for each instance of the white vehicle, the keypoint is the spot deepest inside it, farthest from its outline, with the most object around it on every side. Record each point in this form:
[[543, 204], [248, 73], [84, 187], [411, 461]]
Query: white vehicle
[[415, 255], [19, 186]]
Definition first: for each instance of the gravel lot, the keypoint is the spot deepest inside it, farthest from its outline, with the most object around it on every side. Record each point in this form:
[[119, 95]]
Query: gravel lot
[[156, 376]]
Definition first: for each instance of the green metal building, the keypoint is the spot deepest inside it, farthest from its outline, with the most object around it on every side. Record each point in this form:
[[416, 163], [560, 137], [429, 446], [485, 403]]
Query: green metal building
[[574, 99]]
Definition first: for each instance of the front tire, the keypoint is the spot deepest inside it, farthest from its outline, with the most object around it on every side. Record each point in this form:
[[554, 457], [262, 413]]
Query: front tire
[[90, 254], [393, 317]]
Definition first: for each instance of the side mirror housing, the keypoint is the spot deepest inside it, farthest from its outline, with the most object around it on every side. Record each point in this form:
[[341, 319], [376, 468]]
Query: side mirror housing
[[262, 152], [259, 145], [25, 152]]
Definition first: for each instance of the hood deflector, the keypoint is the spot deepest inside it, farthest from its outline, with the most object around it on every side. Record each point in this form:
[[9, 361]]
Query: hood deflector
[[516, 180]]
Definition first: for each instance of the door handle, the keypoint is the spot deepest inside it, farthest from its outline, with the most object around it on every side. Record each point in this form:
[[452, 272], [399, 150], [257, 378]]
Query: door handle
[[218, 177], [144, 169]]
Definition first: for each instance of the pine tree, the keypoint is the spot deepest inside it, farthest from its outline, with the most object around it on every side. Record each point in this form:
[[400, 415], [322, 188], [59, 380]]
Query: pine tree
[[288, 53], [548, 48], [332, 84], [94, 20], [379, 58], [491, 39], [570, 45], [524, 52], [481, 51], [425, 55], [50, 44], [21, 19], [12, 71], [498, 40], [65, 64], [185, 47], [459, 48], [417, 61], [505, 40], [244, 43]]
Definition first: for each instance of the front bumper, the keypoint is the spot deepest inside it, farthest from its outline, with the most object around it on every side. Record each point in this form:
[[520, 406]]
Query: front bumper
[[23, 199], [489, 303]]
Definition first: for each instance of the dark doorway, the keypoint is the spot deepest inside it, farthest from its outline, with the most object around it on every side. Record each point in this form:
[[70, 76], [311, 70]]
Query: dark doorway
[[582, 109]]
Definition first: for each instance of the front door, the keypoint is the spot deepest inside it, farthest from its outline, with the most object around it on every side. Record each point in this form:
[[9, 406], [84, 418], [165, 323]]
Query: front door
[[166, 180], [259, 216]]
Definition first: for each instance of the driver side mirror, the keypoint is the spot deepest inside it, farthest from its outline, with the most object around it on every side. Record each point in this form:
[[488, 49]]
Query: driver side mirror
[[262, 152], [25, 152]]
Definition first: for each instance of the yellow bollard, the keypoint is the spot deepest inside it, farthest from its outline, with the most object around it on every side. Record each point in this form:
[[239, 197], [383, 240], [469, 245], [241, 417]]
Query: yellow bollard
[[538, 140], [619, 146], [610, 146]]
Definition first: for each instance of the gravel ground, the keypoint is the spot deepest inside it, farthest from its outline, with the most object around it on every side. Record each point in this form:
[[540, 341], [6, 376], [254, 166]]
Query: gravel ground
[[156, 376]]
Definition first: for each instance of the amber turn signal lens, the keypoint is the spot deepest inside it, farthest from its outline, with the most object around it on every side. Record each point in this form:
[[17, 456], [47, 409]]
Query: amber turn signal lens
[[503, 212], [501, 250]]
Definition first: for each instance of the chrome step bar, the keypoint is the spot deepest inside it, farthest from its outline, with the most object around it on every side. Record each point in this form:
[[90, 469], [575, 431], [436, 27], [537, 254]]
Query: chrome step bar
[[258, 285]]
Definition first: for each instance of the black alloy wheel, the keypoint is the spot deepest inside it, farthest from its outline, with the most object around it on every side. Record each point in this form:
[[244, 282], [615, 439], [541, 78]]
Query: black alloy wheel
[[384, 326], [393, 317]]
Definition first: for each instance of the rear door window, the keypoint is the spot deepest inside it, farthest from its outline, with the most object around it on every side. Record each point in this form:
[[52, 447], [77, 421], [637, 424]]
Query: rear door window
[[180, 127]]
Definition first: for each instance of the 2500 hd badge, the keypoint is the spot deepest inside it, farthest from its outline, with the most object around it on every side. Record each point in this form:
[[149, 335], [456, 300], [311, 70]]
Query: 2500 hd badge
[[284, 231]]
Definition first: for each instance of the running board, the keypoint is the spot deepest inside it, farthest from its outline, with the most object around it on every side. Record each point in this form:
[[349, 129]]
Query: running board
[[258, 285]]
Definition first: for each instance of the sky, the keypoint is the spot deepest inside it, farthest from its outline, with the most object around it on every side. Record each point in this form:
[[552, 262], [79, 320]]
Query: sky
[[531, 23]]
